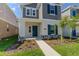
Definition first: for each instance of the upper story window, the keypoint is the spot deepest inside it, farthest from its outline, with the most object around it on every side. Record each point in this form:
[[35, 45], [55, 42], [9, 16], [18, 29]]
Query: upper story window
[[33, 12], [74, 13], [52, 9], [30, 11]]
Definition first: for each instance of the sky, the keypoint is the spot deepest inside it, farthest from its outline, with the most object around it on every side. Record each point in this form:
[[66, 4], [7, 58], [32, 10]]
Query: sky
[[16, 8]]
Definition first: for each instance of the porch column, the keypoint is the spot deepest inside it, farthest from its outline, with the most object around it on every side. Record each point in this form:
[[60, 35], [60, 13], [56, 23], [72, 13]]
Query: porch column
[[21, 28], [44, 29]]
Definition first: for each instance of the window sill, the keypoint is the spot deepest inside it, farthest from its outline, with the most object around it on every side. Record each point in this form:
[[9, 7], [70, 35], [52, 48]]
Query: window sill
[[30, 16], [52, 14]]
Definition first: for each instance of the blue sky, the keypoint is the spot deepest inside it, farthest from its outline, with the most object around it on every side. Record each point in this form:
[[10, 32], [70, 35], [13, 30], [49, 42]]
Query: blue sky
[[16, 7]]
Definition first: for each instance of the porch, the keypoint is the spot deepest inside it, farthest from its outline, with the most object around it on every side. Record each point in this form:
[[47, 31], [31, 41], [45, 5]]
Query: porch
[[29, 28], [32, 29]]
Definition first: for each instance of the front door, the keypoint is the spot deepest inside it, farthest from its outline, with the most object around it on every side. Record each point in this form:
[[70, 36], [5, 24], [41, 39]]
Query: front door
[[73, 32], [34, 30]]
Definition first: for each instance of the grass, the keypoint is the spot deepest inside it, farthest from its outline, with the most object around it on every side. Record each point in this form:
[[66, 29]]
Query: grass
[[68, 49], [33, 52], [7, 42]]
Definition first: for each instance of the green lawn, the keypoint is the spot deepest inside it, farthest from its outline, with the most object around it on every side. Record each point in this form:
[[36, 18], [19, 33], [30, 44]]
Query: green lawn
[[4, 44], [33, 52], [68, 49], [7, 42]]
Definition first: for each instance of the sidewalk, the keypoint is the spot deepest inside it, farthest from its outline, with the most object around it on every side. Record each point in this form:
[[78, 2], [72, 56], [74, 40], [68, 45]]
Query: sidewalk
[[47, 50]]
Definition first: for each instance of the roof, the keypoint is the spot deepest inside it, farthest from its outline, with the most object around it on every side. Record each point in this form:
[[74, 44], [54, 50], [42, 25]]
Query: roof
[[70, 7]]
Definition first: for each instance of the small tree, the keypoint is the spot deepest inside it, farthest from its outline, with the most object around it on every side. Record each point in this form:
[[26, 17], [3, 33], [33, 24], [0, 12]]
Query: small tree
[[63, 23], [72, 23]]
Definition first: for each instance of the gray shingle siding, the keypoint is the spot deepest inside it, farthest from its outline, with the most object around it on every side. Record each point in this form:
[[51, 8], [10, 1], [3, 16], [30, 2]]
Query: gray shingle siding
[[44, 11], [47, 16], [31, 5]]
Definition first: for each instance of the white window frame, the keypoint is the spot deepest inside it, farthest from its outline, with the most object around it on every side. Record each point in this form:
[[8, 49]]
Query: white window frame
[[31, 12], [52, 9], [26, 11], [35, 12]]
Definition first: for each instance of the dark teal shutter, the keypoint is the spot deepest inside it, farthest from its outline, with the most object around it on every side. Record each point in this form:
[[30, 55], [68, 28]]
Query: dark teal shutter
[[56, 10], [48, 9]]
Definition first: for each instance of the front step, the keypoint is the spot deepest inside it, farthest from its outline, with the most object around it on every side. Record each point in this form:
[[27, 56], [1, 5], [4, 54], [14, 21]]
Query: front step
[[30, 38]]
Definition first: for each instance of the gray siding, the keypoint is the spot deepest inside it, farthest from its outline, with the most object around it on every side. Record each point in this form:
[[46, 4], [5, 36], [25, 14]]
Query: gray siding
[[45, 13], [30, 5], [47, 16]]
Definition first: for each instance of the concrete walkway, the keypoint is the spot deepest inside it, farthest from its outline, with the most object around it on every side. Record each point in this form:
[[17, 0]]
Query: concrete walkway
[[47, 50]]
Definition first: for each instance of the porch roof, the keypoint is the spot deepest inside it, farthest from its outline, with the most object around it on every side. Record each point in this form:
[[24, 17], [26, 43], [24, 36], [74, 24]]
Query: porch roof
[[32, 20]]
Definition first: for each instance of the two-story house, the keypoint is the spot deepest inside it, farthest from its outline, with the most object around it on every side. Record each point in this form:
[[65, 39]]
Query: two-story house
[[39, 19], [70, 11]]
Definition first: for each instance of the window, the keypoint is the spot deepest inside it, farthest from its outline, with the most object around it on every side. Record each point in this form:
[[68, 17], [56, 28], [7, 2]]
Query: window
[[29, 29], [30, 11], [33, 12], [74, 13], [52, 29], [7, 29], [52, 9]]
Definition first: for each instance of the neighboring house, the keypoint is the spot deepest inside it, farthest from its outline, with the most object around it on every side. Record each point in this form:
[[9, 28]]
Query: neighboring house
[[39, 19], [69, 12], [8, 24]]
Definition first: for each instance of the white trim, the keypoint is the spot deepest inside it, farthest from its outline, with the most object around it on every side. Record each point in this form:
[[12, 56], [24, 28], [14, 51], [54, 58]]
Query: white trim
[[40, 11], [65, 9], [52, 14]]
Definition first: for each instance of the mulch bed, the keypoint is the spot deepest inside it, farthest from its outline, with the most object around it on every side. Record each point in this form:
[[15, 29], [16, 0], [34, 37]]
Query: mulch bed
[[58, 42], [28, 44]]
